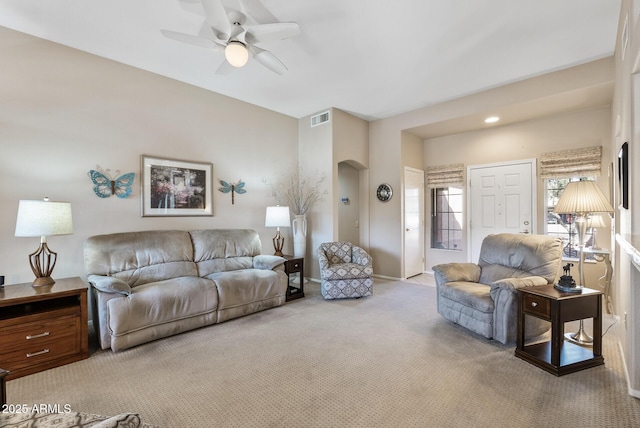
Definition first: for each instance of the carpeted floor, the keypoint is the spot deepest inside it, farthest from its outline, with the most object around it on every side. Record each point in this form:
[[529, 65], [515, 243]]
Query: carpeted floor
[[388, 360]]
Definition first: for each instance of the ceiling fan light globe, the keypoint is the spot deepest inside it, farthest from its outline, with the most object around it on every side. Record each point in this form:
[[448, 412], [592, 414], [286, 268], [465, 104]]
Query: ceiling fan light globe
[[236, 54]]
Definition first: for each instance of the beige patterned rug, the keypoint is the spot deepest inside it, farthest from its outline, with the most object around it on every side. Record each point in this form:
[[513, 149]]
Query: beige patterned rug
[[388, 360]]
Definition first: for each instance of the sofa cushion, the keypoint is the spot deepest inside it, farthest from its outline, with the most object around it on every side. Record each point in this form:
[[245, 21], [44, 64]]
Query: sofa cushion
[[237, 288], [161, 302], [493, 273], [138, 258], [470, 294], [220, 250], [346, 271], [535, 254]]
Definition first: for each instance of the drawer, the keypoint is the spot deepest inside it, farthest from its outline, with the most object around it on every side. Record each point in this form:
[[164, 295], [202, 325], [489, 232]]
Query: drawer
[[34, 334], [292, 266], [39, 353], [536, 305]]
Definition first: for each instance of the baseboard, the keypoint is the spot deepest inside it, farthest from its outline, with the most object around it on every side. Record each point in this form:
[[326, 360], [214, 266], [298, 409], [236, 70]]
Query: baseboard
[[632, 392]]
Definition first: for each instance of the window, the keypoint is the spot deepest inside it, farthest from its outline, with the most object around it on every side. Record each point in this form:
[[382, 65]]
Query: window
[[446, 218], [564, 225]]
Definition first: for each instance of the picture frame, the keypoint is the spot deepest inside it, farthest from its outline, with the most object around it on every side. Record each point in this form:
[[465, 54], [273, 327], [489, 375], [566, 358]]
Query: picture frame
[[623, 175], [175, 187]]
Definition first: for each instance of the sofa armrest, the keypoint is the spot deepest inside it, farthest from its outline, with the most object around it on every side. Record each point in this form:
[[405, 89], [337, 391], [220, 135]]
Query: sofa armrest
[[109, 284], [360, 256], [449, 272], [267, 262], [512, 284], [322, 259]]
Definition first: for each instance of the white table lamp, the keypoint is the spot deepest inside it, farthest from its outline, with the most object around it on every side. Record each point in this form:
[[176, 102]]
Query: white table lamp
[[43, 218], [278, 217]]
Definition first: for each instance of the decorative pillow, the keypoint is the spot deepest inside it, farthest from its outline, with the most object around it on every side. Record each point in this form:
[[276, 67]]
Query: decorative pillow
[[265, 261], [109, 284], [124, 420]]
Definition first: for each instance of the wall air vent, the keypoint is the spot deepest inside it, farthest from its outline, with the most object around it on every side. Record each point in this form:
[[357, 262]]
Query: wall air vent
[[319, 119]]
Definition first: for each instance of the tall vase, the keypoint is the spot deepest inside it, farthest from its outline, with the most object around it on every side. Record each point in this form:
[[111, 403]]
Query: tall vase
[[299, 235]]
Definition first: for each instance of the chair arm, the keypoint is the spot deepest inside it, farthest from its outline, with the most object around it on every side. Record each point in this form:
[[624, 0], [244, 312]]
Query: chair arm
[[322, 259], [449, 272], [267, 262], [512, 284], [109, 284], [360, 256]]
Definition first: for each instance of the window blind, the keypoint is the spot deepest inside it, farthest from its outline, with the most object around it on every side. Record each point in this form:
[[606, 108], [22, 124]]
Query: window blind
[[445, 175], [585, 162]]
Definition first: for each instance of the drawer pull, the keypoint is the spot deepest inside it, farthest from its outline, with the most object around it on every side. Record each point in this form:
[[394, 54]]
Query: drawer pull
[[534, 304], [35, 336], [33, 354]]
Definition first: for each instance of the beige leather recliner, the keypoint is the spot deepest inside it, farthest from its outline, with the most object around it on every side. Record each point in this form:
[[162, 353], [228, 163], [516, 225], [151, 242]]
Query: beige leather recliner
[[482, 297]]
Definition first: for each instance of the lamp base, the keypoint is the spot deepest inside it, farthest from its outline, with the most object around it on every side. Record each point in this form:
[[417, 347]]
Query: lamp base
[[278, 243], [42, 262], [580, 337], [43, 281]]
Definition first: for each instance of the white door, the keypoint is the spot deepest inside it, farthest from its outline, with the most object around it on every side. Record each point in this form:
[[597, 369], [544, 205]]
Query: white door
[[413, 222], [500, 200]]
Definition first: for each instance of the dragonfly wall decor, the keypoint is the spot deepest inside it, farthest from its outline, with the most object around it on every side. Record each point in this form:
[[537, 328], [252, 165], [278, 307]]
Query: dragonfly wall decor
[[233, 188]]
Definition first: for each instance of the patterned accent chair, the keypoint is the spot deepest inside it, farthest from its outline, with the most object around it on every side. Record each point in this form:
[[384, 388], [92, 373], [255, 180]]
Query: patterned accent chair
[[346, 271]]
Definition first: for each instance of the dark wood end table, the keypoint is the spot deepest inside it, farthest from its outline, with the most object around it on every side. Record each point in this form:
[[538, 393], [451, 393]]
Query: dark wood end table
[[43, 327], [294, 265], [558, 356]]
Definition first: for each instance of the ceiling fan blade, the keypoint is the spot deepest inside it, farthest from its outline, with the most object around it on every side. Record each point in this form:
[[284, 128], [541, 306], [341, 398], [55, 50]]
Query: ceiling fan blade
[[269, 60], [188, 38], [217, 18], [267, 32]]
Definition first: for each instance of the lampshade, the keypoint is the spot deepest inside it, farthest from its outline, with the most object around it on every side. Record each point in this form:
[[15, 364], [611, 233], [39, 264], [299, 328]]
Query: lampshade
[[582, 197], [277, 217], [44, 218], [236, 54], [595, 221]]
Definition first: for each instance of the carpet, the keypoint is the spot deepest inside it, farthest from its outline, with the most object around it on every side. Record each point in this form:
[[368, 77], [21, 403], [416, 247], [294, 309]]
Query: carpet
[[388, 360]]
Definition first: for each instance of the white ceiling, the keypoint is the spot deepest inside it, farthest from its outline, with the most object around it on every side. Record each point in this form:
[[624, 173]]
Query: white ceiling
[[372, 58]]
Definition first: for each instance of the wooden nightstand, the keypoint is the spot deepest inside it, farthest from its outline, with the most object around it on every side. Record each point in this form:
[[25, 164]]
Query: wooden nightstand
[[43, 327], [558, 356], [294, 265]]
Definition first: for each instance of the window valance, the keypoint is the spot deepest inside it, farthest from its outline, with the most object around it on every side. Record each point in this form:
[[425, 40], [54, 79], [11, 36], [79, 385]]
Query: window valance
[[585, 162], [445, 175]]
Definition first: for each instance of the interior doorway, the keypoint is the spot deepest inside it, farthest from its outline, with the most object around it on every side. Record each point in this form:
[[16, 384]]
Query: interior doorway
[[414, 237], [348, 203]]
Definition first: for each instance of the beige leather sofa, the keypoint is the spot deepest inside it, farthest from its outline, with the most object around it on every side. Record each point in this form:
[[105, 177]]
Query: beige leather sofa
[[482, 297], [153, 284]]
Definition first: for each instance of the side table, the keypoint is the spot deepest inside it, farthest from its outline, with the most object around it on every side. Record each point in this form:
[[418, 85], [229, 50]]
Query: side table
[[294, 265], [43, 327], [558, 356]]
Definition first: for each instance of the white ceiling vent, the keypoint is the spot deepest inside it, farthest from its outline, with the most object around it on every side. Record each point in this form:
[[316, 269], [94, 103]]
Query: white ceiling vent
[[319, 119]]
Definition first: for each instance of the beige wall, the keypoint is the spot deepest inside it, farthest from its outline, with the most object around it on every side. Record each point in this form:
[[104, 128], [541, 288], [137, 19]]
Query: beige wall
[[519, 141], [63, 111], [550, 94]]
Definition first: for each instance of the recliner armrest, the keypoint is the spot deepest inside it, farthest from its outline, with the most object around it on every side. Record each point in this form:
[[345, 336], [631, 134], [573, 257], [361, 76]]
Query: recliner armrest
[[267, 262], [450, 272], [512, 284], [109, 284]]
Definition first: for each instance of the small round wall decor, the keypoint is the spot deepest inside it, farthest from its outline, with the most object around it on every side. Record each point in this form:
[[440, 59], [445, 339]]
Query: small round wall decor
[[384, 192]]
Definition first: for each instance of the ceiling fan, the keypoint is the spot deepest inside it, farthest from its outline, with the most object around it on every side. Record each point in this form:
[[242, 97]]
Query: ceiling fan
[[230, 31]]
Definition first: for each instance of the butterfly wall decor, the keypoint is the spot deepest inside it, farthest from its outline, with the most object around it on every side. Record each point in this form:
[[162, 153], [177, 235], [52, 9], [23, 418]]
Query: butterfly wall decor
[[233, 188], [105, 185]]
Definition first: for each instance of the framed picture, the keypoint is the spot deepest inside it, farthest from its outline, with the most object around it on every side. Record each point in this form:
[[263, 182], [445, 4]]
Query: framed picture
[[623, 175], [172, 187]]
